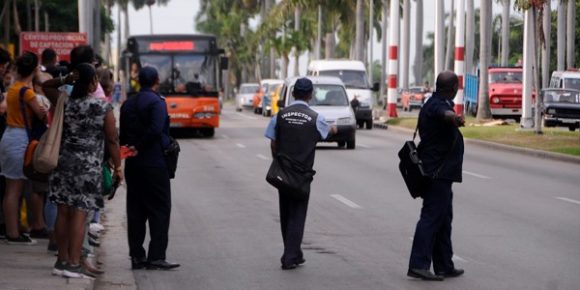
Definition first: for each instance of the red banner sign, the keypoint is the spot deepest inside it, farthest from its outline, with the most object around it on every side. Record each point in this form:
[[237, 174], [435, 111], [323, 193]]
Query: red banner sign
[[61, 42]]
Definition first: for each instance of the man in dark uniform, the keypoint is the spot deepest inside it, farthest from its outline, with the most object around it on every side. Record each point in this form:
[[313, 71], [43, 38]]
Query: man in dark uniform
[[296, 135], [441, 150], [144, 125]]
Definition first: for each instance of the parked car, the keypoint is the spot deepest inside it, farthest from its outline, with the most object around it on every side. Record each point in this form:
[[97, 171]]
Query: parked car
[[245, 94], [413, 98], [330, 99], [561, 108]]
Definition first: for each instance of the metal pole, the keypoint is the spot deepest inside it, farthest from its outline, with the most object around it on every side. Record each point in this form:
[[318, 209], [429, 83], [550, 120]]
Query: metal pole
[[460, 54], [371, 16]]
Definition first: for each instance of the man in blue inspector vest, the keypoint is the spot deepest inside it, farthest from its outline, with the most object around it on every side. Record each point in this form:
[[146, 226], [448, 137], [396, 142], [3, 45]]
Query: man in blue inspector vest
[[144, 125], [299, 130], [441, 150]]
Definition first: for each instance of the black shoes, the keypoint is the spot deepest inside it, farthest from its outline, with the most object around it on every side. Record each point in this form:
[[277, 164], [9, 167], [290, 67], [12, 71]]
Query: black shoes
[[161, 265], [424, 275], [451, 274], [138, 263], [293, 265]]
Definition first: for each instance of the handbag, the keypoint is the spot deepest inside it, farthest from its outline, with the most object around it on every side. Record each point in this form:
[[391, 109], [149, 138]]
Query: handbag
[[47, 152], [411, 167], [289, 175], [171, 154], [34, 133]]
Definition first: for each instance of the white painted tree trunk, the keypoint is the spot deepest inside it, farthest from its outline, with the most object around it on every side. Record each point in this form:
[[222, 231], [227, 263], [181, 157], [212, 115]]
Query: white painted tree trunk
[[406, 44], [571, 34], [483, 110], [561, 37], [418, 66], [459, 66], [393, 59], [469, 35], [505, 32]]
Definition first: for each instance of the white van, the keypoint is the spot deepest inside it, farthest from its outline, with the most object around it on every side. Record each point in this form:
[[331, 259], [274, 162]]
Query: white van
[[354, 76], [565, 80]]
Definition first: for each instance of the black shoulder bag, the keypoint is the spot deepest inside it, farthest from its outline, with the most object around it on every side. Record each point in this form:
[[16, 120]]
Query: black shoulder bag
[[288, 175], [411, 167]]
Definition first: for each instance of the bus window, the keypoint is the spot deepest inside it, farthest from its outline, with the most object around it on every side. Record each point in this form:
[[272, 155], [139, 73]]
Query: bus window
[[163, 65], [197, 71]]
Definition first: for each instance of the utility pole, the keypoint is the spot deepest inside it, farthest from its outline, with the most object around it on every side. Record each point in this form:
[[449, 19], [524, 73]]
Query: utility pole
[[439, 39], [527, 120], [459, 54], [393, 60], [371, 16]]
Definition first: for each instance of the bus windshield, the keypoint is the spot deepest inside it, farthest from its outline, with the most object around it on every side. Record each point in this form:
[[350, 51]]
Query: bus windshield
[[182, 74]]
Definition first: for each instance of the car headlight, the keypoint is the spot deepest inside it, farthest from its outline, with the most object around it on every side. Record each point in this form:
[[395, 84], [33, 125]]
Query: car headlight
[[345, 121], [495, 100], [551, 111]]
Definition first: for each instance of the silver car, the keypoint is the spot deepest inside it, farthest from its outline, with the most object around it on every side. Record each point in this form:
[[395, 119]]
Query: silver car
[[329, 99], [245, 95]]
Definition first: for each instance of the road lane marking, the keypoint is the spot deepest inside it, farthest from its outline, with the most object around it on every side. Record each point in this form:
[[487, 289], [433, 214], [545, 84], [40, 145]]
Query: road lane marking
[[247, 117], [476, 175], [225, 136], [345, 201], [364, 146], [568, 200], [240, 145], [263, 157]]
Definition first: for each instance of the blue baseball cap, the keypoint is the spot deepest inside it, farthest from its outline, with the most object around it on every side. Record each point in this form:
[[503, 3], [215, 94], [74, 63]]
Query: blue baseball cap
[[148, 76], [303, 85]]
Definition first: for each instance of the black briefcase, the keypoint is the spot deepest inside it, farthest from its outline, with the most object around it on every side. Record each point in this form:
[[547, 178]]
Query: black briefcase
[[411, 168], [290, 176]]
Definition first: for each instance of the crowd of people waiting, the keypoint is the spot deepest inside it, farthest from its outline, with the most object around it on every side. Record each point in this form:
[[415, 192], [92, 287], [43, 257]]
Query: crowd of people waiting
[[66, 208]]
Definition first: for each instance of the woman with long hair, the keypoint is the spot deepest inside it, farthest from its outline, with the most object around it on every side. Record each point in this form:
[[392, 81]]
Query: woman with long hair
[[75, 185]]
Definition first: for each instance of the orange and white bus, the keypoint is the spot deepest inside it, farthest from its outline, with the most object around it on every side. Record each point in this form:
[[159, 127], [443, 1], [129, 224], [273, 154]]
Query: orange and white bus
[[189, 69]]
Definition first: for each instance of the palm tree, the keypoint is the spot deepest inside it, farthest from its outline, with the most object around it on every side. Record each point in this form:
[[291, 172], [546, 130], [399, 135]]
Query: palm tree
[[359, 34], [405, 44], [546, 47], [561, 42], [505, 32], [469, 35], [418, 66], [483, 109]]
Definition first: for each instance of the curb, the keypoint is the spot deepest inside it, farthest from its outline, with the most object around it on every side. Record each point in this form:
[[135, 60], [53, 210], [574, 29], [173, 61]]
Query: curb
[[498, 146]]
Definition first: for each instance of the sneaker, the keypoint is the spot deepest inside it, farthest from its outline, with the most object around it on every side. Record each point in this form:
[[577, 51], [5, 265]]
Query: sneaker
[[39, 234], [59, 267], [96, 227], [21, 240], [77, 271]]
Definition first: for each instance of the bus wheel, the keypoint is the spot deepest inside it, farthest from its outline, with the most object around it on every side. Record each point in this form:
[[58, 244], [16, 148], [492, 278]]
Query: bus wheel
[[341, 144], [208, 132]]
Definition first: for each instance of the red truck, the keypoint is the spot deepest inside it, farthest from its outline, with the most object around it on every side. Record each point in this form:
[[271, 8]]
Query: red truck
[[505, 92]]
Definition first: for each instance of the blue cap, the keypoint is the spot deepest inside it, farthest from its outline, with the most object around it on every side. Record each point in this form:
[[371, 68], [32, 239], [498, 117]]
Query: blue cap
[[148, 76], [303, 85]]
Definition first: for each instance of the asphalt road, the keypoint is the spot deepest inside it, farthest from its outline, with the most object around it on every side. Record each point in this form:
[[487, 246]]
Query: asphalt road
[[516, 220]]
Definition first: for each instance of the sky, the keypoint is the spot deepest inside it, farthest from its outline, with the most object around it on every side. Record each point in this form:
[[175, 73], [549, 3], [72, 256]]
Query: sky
[[178, 18]]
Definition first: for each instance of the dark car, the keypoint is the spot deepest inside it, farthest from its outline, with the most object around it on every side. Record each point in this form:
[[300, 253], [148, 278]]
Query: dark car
[[561, 108]]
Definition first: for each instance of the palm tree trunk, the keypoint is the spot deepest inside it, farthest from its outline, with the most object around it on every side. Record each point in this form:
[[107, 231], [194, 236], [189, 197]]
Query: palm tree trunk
[[418, 66], [547, 20], [527, 120], [450, 47], [439, 37], [384, 49], [469, 35], [127, 29], [296, 52], [483, 110], [405, 44], [359, 34], [505, 33], [561, 38], [371, 40], [571, 34]]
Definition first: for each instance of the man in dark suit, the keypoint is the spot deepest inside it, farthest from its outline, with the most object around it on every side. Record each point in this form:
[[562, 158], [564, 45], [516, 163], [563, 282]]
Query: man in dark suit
[[144, 125], [441, 150], [296, 135]]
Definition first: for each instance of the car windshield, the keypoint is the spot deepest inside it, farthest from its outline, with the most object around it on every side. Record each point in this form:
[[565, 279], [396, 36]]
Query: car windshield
[[182, 74], [248, 89], [351, 78], [572, 97], [572, 83], [505, 77], [327, 95]]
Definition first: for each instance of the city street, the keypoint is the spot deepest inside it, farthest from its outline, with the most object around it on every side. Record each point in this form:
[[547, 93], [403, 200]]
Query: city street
[[516, 218]]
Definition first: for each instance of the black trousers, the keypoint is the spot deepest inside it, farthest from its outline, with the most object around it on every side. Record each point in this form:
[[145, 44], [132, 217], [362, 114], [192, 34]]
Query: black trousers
[[432, 239], [148, 200], [292, 221]]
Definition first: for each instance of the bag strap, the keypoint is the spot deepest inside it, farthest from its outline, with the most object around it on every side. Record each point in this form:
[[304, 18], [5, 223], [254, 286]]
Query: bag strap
[[277, 131], [23, 110]]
